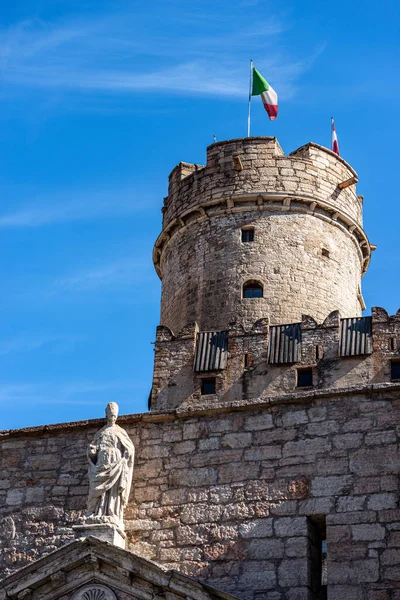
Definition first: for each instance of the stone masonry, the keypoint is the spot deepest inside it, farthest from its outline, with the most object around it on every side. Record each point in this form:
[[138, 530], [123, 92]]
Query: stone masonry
[[176, 384], [299, 214], [244, 486], [228, 494]]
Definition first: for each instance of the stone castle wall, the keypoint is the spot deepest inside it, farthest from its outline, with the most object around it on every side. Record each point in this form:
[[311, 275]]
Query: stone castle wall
[[176, 384], [298, 212], [230, 495]]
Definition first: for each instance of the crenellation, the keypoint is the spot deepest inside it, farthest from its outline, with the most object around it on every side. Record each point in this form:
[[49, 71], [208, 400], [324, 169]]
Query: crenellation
[[249, 373]]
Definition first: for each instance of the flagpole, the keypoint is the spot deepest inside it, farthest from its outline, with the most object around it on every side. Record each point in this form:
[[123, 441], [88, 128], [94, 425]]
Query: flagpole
[[250, 90]]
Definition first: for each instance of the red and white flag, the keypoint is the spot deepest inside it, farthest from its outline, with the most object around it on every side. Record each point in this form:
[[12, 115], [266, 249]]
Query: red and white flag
[[335, 143]]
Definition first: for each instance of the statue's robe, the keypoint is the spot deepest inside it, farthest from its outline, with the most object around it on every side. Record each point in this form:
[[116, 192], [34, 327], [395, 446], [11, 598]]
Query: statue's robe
[[111, 456]]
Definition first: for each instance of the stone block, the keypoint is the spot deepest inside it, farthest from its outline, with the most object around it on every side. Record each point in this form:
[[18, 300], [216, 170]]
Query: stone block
[[350, 503], [220, 494], [200, 513], [15, 497], [35, 495], [322, 429], [331, 485], [391, 574], [316, 506], [346, 592], [261, 549], [375, 461], [216, 457], [178, 496], [258, 422], [263, 453], [317, 413], [293, 572], [240, 471], [290, 526], [296, 547], [347, 440], [390, 557], [193, 477], [105, 532], [258, 576], [291, 418], [236, 440], [257, 528], [382, 501], [212, 443], [380, 438], [298, 593], [186, 447], [305, 447], [360, 424], [338, 534], [394, 539], [367, 532], [354, 572]]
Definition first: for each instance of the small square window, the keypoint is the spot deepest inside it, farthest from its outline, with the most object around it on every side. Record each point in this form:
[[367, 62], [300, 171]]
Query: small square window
[[394, 370], [304, 377], [208, 386], [325, 252], [248, 235]]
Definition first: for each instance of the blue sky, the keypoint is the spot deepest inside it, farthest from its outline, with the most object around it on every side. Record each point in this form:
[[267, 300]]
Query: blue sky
[[99, 100]]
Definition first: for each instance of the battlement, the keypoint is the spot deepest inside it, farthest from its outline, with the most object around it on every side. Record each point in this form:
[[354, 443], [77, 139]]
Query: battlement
[[236, 168], [268, 361]]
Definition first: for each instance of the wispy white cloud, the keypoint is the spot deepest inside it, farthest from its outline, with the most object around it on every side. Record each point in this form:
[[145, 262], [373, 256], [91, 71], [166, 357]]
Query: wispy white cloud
[[118, 55], [114, 275], [29, 343], [71, 392], [77, 206]]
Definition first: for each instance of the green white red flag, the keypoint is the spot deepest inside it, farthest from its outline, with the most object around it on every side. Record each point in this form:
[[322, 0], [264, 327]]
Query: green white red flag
[[335, 143], [269, 98]]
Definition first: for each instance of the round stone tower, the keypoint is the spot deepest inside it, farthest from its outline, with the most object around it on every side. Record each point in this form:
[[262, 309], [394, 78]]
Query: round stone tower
[[257, 234]]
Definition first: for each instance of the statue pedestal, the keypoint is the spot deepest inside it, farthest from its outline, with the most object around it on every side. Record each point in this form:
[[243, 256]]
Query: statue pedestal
[[107, 532]]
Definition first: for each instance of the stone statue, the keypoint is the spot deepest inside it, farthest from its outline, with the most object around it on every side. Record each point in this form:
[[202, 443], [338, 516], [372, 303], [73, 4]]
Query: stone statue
[[111, 455]]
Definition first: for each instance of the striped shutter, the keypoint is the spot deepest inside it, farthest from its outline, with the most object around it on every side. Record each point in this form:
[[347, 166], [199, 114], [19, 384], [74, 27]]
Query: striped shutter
[[284, 343], [211, 351], [355, 336]]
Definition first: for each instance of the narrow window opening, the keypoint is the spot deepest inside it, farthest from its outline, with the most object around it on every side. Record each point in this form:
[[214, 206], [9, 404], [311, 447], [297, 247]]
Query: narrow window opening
[[208, 386], [248, 234], [325, 252], [246, 360], [304, 377], [317, 353], [317, 557], [395, 370], [252, 289], [392, 345]]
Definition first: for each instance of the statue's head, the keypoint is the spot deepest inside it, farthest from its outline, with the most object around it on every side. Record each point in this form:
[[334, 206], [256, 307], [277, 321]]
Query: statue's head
[[111, 412]]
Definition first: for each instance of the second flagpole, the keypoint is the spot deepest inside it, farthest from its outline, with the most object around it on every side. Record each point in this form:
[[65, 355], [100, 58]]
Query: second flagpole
[[250, 90]]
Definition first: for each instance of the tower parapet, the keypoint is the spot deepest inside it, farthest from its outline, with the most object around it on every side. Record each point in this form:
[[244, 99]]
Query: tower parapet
[[308, 250], [271, 362]]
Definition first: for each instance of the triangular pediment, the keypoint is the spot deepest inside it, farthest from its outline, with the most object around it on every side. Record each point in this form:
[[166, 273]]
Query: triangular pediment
[[90, 569]]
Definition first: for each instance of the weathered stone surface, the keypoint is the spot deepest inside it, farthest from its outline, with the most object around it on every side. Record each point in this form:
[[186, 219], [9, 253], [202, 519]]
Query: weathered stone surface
[[208, 291], [245, 506]]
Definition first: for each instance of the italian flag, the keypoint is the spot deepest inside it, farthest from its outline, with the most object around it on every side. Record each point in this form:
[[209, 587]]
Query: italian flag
[[261, 87], [335, 143]]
